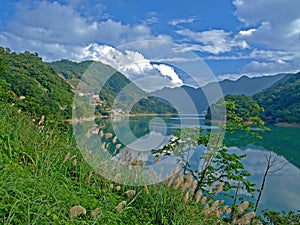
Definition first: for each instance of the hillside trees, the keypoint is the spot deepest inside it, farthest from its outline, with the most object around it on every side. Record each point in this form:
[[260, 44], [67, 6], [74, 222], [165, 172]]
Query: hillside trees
[[281, 101], [27, 75]]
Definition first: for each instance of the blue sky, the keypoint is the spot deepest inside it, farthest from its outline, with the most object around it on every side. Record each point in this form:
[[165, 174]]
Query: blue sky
[[232, 37]]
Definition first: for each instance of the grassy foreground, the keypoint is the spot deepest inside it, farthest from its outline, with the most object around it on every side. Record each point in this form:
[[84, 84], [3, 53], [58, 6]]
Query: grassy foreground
[[43, 175]]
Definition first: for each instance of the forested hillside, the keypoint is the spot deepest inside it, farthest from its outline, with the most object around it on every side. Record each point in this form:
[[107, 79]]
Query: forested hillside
[[281, 101], [48, 88], [36, 85], [109, 83]]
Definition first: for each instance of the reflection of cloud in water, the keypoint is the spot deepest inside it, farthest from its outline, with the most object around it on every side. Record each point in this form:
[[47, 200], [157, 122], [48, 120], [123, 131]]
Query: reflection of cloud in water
[[282, 188]]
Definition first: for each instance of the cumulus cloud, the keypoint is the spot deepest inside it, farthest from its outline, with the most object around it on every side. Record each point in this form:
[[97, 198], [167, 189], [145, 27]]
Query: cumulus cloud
[[134, 65], [274, 23], [212, 41], [68, 28], [169, 72]]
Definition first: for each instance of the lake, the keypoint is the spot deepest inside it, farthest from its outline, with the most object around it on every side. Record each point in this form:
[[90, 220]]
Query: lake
[[282, 188]]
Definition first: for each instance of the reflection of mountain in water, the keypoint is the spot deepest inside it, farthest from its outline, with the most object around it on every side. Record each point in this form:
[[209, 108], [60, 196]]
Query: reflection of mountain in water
[[282, 140]]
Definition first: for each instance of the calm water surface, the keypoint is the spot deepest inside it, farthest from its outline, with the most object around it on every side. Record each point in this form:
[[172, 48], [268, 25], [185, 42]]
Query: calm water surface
[[282, 189]]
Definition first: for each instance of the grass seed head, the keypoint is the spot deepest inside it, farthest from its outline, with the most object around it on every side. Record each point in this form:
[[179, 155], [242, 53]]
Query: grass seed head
[[108, 135], [68, 155], [170, 181], [101, 134], [242, 207], [178, 181], [118, 188], [77, 211], [189, 178], [246, 219], [157, 159], [203, 200], [130, 193], [74, 162], [146, 189], [198, 196], [228, 210], [186, 197], [96, 212], [176, 170], [120, 206], [220, 188]]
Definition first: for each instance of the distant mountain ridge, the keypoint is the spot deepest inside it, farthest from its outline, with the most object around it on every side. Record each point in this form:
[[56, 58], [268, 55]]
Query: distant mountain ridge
[[244, 85]]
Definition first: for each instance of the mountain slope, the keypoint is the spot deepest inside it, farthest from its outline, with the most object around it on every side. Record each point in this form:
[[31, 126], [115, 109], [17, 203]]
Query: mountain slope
[[282, 101], [45, 93], [111, 86]]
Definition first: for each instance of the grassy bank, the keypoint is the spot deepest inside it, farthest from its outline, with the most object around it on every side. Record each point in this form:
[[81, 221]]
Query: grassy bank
[[43, 175]]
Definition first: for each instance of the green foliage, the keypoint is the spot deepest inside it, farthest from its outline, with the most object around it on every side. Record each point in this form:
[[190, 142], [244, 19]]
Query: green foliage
[[242, 113], [6, 95], [282, 100], [45, 93], [70, 70], [218, 164], [275, 217]]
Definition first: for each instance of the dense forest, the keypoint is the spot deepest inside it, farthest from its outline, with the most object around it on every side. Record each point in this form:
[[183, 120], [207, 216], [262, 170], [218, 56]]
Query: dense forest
[[37, 86], [281, 101]]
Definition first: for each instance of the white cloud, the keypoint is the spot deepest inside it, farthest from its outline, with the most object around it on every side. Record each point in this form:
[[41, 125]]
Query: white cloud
[[247, 32], [212, 41], [175, 22], [134, 65], [66, 27], [276, 22], [229, 77], [169, 72], [274, 25], [151, 17], [264, 68]]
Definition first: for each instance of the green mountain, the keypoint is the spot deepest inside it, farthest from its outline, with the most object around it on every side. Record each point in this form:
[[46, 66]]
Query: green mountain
[[42, 91], [111, 86], [48, 88], [282, 100]]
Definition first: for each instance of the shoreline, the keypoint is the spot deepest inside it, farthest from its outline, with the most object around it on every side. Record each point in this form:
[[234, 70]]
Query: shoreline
[[79, 120], [287, 124], [87, 119]]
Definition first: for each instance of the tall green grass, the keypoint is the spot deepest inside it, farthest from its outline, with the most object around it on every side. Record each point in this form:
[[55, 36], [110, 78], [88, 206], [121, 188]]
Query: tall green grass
[[38, 187]]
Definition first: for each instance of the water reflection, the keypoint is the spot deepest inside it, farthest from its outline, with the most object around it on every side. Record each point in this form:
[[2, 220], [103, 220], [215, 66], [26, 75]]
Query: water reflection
[[282, 188]]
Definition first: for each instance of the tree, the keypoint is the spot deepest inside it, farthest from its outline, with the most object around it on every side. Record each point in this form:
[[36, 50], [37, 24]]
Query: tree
[[216, 164], [274, 164]]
